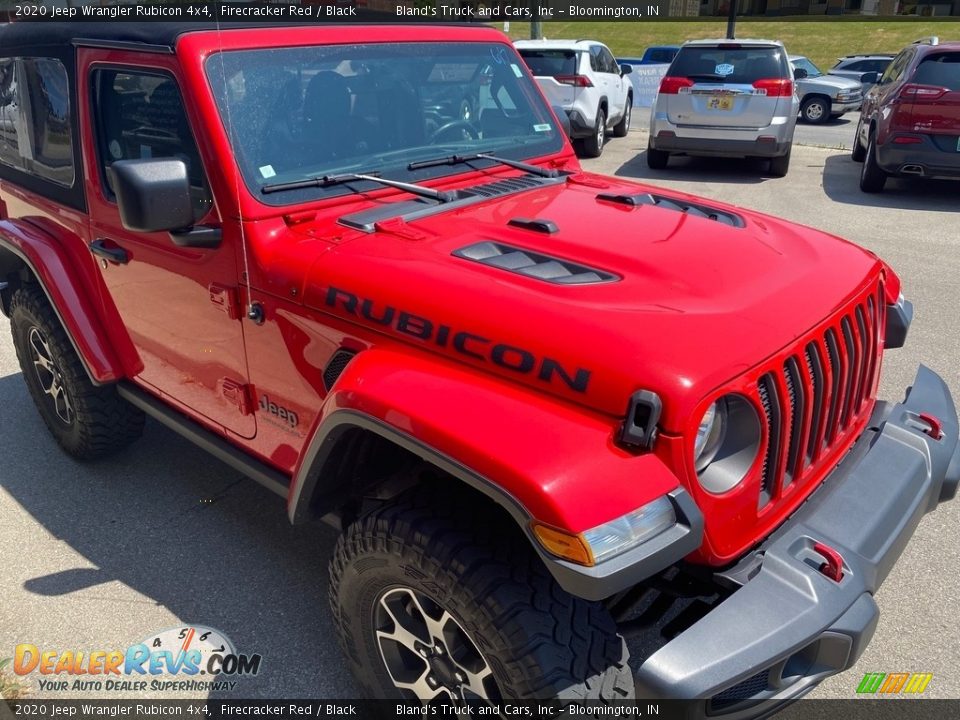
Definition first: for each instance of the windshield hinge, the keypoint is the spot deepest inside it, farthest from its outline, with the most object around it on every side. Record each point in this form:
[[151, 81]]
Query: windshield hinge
[[401, 229], [226, 299]]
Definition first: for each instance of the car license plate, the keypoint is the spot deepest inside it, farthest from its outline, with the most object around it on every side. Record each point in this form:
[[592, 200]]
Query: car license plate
[[720, 103]]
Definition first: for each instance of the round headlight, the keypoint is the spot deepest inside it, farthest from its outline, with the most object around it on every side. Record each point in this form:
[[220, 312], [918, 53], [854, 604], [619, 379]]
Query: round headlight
[[726, 445], [709, 434]]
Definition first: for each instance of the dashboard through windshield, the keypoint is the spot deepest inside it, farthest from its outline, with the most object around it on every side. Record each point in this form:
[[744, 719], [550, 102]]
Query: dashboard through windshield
[[299, 113]]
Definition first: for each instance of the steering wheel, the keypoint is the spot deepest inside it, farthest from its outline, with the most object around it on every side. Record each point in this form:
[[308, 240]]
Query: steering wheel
[[464, 125]]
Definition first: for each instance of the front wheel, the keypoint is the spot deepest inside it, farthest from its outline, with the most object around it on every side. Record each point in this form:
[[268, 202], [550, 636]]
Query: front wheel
[[432, 603], [815, 110]]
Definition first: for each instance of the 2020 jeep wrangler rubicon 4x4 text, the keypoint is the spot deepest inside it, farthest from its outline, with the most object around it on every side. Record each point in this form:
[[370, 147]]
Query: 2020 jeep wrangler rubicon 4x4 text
[[417, 326]]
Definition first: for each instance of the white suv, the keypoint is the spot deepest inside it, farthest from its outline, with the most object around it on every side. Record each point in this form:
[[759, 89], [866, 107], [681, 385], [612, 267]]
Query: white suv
[[583, 78]]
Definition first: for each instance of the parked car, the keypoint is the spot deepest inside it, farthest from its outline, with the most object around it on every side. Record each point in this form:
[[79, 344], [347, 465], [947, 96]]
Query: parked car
[[726, 99], [538, 405], [583, 78], [862, 68], [823, 97], [656, 55], [910, 122]]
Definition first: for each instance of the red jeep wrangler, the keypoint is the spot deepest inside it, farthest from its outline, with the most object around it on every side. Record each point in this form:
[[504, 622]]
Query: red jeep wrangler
[[542, 404]]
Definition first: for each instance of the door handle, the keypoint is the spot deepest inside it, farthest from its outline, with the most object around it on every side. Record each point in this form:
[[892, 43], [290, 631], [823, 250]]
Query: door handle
[[113, 254]]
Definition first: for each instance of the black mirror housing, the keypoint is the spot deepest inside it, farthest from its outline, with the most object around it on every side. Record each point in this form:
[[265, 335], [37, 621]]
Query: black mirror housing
[[153, 194], [625, 69], [563, 118], [799, 74]]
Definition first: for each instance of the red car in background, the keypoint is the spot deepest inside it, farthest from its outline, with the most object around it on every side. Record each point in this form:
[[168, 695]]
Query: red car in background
[[910, 122]]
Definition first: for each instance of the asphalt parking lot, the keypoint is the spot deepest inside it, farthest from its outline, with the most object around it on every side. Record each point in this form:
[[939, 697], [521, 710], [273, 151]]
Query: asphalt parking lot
[[101, 556]]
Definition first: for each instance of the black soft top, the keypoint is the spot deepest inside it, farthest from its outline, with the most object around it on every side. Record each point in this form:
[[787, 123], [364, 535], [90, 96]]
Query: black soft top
[[22, 36]]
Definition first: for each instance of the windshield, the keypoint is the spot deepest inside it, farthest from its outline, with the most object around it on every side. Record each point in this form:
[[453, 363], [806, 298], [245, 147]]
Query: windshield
[[299, 113], [804, 64]]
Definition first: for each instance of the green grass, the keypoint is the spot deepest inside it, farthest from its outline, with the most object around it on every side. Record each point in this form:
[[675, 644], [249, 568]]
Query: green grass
[[821, 41]]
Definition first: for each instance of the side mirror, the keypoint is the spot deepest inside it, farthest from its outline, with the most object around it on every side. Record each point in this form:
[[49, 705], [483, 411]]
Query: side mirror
[[153, 194], [625, 69], [870, 78], [799, 74], [563, 118]]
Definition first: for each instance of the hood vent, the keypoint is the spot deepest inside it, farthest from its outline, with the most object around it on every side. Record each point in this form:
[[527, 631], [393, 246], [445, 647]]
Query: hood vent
[[667, 203], [510, 185], [532, 264]]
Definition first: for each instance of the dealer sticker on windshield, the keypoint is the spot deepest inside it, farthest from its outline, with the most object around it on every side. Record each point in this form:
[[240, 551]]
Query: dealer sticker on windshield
[[543, 127], [724, 69]]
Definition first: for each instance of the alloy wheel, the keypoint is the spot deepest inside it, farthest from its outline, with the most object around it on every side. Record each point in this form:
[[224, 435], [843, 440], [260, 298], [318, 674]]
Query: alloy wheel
[[49, 375], [427, 652]]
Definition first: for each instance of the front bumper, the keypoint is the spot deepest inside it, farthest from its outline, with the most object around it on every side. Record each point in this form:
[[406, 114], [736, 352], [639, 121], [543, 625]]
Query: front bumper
[[789, 625], [839, 108]]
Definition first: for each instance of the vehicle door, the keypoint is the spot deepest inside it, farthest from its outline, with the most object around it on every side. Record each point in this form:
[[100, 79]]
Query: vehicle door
[[602, 79], [178, 304], [618, 84]]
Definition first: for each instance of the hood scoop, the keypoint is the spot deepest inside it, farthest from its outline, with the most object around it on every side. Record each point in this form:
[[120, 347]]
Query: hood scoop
[[667, 203], [533, 264]]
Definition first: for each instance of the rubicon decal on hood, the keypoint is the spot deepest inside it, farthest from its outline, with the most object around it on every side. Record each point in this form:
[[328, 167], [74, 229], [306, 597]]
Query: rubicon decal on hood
[[468, 344]]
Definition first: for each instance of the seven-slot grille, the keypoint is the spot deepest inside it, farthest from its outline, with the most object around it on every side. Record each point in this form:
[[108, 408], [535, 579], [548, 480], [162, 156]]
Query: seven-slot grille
[[817, 393]]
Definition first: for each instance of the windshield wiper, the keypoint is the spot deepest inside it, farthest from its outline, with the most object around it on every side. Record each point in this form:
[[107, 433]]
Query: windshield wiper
[[467, 159], [323, 181]]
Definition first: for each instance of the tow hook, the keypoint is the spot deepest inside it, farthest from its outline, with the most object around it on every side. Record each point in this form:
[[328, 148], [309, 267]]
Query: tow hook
[[833, 567], [934, 427]]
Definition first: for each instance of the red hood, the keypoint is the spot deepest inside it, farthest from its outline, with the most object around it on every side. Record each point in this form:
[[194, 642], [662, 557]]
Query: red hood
[[698, 301]]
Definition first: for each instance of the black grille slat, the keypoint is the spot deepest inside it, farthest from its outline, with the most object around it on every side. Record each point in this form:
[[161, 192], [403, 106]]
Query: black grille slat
[[797, 405], [815, 372], [852, 372], [862, 377], [767, 390], [835, 367]]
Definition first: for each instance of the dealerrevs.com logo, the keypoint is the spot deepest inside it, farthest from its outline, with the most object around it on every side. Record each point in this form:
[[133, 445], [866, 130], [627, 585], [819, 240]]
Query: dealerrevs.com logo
[[194, 658]]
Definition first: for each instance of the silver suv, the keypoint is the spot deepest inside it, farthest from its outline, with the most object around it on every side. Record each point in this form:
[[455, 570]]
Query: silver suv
[[726, 98]]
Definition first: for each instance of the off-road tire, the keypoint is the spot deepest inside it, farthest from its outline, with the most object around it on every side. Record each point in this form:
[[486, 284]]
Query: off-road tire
[[623, 127], [539, 641], [872, 176], [99, 421], [657, 159], [859, 153], [815, 110], [780, 166], [593, 143]]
